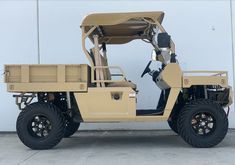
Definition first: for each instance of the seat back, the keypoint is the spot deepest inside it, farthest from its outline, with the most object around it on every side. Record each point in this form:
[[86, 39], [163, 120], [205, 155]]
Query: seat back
[[99, 60], [106, 71]]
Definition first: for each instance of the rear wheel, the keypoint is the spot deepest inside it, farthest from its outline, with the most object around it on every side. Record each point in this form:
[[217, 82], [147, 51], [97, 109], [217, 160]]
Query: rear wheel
[[40, 126], [71, 127], [202, 123]]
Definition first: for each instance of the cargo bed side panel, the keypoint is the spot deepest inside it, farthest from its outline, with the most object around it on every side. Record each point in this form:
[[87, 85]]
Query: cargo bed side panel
[[50, 78]]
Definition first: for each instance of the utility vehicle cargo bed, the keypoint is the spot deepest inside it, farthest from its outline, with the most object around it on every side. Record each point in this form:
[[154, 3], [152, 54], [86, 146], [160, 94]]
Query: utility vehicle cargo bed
[[40, 78]]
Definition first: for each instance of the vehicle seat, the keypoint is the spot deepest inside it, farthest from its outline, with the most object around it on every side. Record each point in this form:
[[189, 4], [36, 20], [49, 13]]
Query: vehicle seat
[[122, 84], [106, 75]]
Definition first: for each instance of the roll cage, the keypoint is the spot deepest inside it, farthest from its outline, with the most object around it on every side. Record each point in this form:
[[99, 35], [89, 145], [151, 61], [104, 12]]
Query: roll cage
[[117, 28]]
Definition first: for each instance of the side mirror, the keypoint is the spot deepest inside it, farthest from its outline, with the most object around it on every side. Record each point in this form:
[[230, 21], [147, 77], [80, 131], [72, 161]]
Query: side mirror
[[154, 56], [164, 40]]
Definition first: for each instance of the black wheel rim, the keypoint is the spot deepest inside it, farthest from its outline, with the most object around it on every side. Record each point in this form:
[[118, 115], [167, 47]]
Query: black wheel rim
[[203, 124], [40, 126]]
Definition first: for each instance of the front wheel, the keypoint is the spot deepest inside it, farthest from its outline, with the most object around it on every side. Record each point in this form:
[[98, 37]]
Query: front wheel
[[172, 121], [202, 123], [173, 124], [40, 126]]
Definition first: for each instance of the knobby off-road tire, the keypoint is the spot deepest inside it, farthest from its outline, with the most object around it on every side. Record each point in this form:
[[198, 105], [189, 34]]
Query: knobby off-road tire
[[173, 123], [202, 123], [71, 127], [173, 120], [40, 126]]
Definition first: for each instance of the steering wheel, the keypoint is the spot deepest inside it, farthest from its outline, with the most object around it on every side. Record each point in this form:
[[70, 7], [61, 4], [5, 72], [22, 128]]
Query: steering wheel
[[147, 69]]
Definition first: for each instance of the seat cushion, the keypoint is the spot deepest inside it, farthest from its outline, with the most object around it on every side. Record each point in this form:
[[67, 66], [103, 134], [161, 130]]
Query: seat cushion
[[122, 84]]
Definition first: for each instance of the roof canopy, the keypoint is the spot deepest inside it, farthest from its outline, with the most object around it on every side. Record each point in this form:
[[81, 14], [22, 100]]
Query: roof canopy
[[120, 28]]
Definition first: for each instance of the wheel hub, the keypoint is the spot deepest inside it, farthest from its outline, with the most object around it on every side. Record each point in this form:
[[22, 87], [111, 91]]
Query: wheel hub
[[203, 123], [40, 126]]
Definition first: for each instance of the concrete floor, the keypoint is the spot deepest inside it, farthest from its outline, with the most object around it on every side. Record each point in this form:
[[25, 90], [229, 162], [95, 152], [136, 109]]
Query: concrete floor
[[118, 148]]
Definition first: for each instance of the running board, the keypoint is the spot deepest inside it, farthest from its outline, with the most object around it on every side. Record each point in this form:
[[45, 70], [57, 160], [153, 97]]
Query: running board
[[149, 112]]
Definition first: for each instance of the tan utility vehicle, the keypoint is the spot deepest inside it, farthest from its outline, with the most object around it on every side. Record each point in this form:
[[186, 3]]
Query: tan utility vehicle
[[55, 99]]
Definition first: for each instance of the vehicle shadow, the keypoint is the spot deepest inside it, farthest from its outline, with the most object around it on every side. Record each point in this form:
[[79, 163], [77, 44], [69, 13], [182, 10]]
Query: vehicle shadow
[[122, 139], [131, 139]]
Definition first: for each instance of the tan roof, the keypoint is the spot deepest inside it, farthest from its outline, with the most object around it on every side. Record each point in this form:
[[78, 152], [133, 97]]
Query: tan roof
[[117, 18], [119, 28]]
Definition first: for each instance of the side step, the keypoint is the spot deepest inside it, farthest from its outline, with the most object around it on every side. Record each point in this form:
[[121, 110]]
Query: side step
[[149, 112]]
